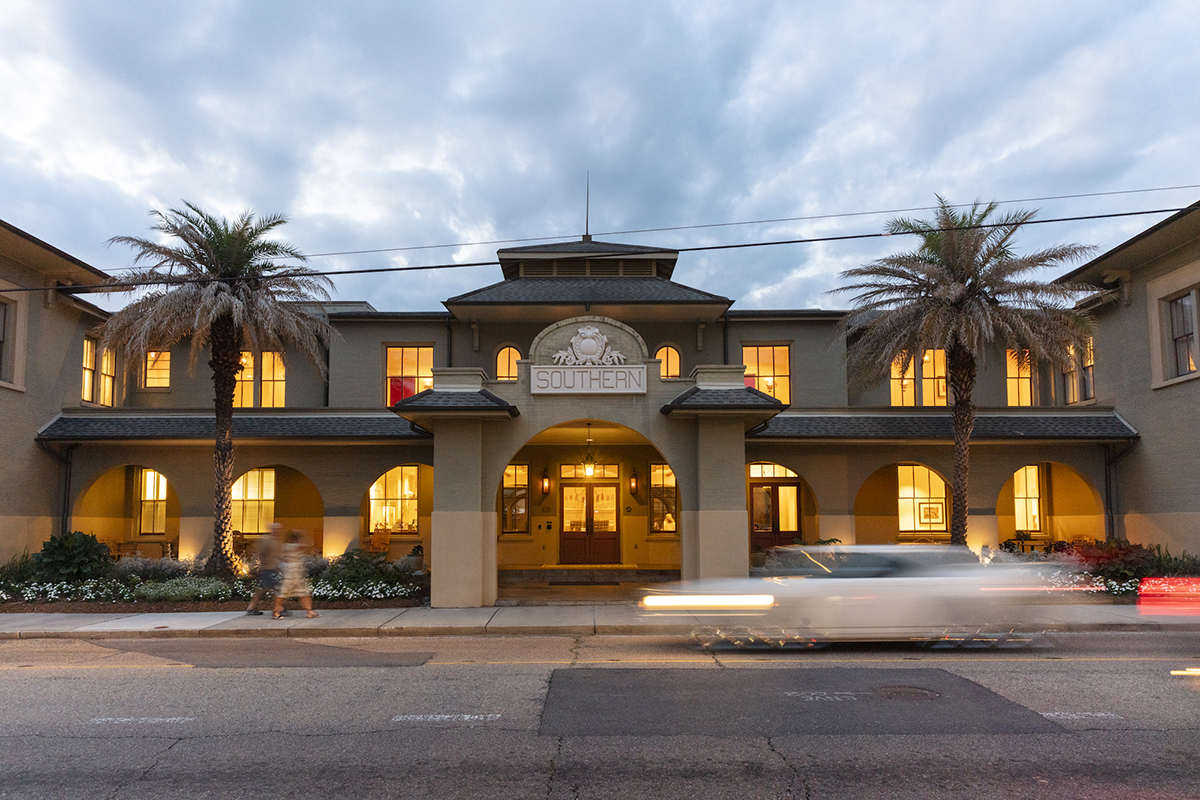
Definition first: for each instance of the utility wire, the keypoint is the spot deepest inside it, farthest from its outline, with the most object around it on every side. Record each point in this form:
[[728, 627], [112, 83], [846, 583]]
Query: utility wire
[[110, 287]]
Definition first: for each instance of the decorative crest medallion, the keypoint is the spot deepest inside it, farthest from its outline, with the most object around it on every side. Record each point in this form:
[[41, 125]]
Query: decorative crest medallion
[[589, 347]]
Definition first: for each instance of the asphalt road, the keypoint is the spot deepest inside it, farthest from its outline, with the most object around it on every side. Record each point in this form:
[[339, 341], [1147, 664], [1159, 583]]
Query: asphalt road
[[1095, 716]]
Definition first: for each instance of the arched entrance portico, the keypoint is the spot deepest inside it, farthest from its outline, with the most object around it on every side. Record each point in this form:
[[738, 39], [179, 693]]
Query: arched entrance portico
[[133, 509], [1046, 502]]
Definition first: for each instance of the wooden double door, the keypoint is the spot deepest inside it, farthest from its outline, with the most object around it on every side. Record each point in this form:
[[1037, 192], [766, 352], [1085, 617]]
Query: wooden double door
[[775, 514], [589, 531]]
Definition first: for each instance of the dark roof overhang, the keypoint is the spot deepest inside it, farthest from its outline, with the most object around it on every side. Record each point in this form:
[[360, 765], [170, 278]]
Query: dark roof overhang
[[425, 408], [1172, 233], [753, 406]]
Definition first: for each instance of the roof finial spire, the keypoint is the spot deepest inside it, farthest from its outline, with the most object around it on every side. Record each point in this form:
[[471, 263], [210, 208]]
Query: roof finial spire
[[587, 207]]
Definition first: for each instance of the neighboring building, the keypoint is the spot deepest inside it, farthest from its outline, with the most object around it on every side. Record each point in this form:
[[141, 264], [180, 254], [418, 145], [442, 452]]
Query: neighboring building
[[585, 412], [1145, 364]]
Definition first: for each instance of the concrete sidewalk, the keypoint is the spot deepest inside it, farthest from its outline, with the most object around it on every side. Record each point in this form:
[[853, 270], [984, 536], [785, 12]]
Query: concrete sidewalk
[[511, 621]]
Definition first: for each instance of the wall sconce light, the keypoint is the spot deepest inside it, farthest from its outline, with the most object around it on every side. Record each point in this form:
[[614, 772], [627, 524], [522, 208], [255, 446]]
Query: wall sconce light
[[633, 482], [545, 482]]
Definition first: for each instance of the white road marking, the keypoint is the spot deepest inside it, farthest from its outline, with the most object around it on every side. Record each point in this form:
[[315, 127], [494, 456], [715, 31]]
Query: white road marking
[[444, 717], [139, 720], [1081, 715]]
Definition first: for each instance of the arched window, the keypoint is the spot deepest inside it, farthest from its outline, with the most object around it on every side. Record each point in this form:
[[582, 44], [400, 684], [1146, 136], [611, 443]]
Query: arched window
[[669, 357], [506, 364], [254, 501], [394, 501], [922, 500]]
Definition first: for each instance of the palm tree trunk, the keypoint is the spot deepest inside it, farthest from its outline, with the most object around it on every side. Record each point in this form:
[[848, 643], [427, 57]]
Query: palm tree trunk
[[225, 361], [960, 368]]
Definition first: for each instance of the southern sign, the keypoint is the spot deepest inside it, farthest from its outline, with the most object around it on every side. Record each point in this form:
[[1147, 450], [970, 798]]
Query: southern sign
[[588, 366]]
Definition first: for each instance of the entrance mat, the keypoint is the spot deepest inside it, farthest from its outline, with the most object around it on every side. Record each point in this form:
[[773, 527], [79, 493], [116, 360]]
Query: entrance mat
[[268, 653], [778, 702]]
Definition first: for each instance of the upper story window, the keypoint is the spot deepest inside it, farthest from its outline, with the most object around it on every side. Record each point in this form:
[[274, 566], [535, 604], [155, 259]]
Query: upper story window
[[108, 377], [922, 499], [157, 374], [88, 393], [1087, 372], [506, 364], [669, 356], [274, 380], [1182, 311], [768, 369], [254, 501], [394, 500], [514, 499], [153, 502], [8, 341], [1078, 380], [664, 499], [904, 384], [1020, 378], [931, 382], [4, 337], [243, 391], [409, 371]]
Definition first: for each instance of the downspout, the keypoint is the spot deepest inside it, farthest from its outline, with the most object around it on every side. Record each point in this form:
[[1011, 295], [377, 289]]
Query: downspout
[[1110, 489], [65, 460]]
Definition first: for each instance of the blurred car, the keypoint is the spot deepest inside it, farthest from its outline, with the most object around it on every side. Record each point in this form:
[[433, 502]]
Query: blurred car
[[857, 593]]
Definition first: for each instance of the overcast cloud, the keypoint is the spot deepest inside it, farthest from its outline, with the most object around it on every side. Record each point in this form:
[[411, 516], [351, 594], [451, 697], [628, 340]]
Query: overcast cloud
[[387, 125]]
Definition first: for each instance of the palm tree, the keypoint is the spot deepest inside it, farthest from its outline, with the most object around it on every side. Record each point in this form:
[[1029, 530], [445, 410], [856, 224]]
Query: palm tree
[[217, 283], [963, 290]]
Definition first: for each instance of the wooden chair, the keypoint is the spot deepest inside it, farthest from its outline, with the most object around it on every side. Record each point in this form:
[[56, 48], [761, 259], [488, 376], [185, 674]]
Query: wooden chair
[[381, 540], [127, 549]]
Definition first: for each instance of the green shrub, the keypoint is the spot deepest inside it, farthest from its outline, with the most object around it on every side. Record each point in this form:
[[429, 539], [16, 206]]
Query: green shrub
[[149, 569], [191, 588], [73, 556], [358, 567], [19, 569]]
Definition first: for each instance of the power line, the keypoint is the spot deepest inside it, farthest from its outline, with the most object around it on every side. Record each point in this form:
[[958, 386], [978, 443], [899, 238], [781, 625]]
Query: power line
[[109, 287]]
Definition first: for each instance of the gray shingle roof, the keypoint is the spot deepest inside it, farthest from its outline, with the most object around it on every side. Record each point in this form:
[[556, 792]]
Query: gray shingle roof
[[731, 399], [199, 425], [587, 290], [1090, 425], [578, 247], [433, 400]]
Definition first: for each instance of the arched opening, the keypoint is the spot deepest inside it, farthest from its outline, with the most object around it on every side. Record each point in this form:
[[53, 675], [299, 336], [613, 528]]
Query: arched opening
[[506, 364], [1047, 502], [903, 502], [275, 493], [587, 494], [133, 509], [396, 511], [669, 356], [783, 507]]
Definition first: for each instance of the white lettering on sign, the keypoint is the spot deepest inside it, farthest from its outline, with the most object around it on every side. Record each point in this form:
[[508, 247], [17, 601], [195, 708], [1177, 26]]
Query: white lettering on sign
[[588, 380]]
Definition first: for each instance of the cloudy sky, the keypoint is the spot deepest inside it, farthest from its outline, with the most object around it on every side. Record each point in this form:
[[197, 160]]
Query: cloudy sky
[[378, 125]]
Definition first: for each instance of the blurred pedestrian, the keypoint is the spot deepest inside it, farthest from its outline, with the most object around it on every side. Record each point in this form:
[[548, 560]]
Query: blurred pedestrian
[[267, 555], [295, 576]]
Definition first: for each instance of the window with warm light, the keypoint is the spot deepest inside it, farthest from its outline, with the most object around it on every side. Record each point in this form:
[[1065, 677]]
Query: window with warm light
[[669, 356], [514, 499], [922, 499], [933, 378], [394, 500], [254, 501], [664, 499], [506, 364], [904, 384], [767, 470], [1027, 494], [1182, 313], [157, 372], [153, 497], [1087, 372], [1071, 377], [1020, 378], [274, 380], [580, 471], [243, 390], [88, 392], [768, 369], [409, 371], [108, 377]]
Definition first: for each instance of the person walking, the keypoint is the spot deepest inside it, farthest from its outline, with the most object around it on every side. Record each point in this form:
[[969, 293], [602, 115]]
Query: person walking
[[268, 567], [295, 577]]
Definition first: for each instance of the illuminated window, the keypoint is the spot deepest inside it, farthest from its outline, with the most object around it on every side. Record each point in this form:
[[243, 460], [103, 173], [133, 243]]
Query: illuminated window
[[1071, 377], [575, 471], [254, 501], [669, 356], [154, 503], [409, 371], [158, 369], [766, 470], [774, 506], [922, 497], [273, 380], [664, 499], [1027, 496], [506, 364], [108, 377], [1087, 381], [89, 370], [769, 371], [904, 384], [1183, 334], [933, 378], [1020, 378], [243, 391], [394, 500], [514, 499]]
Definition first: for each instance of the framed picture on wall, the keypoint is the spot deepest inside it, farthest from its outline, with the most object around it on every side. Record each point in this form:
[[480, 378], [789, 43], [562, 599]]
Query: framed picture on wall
[[933, 513]]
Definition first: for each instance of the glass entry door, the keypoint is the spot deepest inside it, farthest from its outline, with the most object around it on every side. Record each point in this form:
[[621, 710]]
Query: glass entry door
[[775, 515], [588, 534]]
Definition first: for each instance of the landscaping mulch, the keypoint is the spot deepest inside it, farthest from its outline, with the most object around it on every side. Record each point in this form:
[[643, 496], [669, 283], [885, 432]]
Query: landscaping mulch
[[101, 607]]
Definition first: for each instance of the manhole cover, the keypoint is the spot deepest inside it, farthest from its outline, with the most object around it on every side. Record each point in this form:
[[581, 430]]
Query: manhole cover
[[906, 693]]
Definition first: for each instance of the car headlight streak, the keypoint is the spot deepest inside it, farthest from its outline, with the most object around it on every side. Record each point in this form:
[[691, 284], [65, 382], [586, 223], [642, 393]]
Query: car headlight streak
[[710, 601]]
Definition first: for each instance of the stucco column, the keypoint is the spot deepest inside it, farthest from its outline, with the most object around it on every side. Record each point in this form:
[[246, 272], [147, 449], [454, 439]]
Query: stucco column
[[462, 552], [722, 548], [983, 529]]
